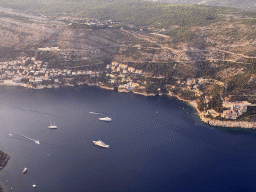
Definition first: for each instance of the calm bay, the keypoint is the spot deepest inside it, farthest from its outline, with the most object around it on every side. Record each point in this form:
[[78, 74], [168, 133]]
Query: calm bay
[[156, 144]]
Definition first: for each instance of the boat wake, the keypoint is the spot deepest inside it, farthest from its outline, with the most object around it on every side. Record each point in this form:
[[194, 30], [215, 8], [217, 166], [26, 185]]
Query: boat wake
[[96, 113], [69, 148], [36, 141], [35, 111]]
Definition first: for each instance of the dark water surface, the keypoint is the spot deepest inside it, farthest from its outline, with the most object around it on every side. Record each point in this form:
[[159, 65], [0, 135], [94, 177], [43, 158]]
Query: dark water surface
[[155, 144]]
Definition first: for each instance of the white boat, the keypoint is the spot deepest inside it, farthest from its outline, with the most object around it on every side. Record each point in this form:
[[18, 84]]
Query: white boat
[[52, 126], [24, 170], [105, 119], [101, 144], [34, 186]]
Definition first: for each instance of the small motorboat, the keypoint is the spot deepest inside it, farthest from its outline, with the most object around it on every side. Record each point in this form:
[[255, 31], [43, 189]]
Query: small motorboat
[[105, 119], [101, 144], [24, 170]]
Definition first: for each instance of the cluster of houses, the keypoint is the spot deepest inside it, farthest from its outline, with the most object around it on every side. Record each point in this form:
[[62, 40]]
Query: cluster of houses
[[234, 109], [123, 68], [124, 72], [13, 72]]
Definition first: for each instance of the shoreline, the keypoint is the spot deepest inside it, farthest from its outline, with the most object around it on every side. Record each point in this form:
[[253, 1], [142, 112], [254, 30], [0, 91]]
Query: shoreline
[[3, 163], [217, 123], [212, 122]]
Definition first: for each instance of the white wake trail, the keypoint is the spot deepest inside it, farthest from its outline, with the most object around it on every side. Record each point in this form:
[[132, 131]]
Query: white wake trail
[[96, 113], [36, 141]]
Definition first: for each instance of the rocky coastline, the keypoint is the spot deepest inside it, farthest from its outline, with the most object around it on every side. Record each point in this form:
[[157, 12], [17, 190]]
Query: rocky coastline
[[231, 124], [108, 88], [213, 122], [218, 123], [138, 93], [3, 161], [144, 94]]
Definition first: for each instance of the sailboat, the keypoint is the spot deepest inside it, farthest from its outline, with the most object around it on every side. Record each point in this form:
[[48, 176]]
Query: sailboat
[[52, 126]]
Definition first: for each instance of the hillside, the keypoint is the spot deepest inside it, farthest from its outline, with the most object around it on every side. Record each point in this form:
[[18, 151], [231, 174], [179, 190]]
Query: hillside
[[249, 5], [200, 41]]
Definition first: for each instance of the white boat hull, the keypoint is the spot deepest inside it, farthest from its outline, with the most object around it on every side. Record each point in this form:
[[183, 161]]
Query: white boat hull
[[52, 127], [100, 144], [108, 119], [25, 171]]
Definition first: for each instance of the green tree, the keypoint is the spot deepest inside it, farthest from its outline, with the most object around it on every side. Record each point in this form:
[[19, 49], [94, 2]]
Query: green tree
[[151, 88], [216, 104], [201, 104]]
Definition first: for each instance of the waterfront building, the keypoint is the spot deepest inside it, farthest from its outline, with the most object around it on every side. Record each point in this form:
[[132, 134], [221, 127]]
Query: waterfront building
[[229, 114]]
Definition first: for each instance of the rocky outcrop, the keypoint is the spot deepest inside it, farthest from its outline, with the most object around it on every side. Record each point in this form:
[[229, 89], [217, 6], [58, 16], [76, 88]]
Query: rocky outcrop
[[3, 159], [232, 124]]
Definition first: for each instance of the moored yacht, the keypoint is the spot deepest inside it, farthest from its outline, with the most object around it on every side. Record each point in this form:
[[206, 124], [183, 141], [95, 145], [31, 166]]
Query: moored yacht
[[52, 126], [105, 119], [101, 144]]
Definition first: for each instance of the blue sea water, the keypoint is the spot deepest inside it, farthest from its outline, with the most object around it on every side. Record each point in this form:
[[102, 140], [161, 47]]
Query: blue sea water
[[156, 144]]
